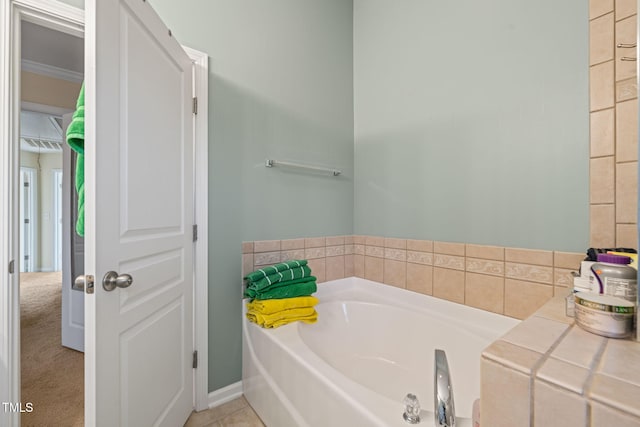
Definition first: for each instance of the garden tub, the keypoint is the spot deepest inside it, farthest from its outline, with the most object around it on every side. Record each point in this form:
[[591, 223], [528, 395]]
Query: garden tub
[[371, 346]]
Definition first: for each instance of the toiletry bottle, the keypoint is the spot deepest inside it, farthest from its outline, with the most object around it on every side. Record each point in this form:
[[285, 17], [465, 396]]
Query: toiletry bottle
[[614, 277]]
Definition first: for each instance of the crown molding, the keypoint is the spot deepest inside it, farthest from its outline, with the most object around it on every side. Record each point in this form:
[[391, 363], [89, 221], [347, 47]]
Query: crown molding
[[51, 71]]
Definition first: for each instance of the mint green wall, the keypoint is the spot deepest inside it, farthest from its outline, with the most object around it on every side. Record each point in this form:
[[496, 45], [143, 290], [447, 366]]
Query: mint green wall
[[280, 86], [75, 3], [471, 121]]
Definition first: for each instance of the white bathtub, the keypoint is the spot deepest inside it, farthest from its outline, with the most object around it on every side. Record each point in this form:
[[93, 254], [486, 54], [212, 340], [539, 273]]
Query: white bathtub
[[371, 346]]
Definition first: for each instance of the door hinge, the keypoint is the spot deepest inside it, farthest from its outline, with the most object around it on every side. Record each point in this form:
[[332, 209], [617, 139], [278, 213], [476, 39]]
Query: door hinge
[[26, 257], [26, 184], [11, 266], [195, 105], [195, 360], [195, 232], [26, 220]]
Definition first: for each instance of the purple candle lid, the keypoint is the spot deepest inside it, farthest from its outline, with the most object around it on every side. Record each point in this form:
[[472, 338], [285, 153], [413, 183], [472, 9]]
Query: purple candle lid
[[614, 259]]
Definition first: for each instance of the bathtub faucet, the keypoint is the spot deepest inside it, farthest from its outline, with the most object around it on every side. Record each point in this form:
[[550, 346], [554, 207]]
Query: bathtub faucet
[[444, 411]]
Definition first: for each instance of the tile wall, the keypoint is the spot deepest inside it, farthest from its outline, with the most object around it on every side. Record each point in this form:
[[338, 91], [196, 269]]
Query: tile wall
[[614, 124], [549, 372], [511, 281]]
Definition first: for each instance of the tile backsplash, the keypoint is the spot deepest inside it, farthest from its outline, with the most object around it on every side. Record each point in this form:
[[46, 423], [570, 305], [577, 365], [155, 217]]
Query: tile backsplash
[[511, 281]]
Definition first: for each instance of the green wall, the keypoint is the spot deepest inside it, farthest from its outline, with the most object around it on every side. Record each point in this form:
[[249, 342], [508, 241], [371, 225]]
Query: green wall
[[471, 121], [74, 3], [280, 86]]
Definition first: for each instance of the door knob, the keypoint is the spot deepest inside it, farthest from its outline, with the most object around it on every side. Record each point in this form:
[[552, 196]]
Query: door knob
[[83, 283], [114, 280]]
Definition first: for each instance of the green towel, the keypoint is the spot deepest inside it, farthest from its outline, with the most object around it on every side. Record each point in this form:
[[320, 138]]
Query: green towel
[[80, 190], [75, 139], [273, 269], [300, 290], [281, 276], [287, 289]]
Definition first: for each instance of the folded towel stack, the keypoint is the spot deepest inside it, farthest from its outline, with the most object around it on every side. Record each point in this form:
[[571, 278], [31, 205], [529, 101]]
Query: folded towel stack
[[281, 294]]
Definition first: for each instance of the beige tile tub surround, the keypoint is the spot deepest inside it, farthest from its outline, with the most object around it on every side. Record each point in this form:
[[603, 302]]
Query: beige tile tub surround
[[626, 131], [625, 8], [330, 258], [600, 7], [602, 130], [602, 86], [602, 180], [626, 89], [601, 39], [613, 124], [549, 372], [626, 192], [602, 225], [510, 281], [625, 34]]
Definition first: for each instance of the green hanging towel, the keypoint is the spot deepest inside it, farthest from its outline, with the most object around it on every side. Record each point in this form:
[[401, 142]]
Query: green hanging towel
[[75, 139]]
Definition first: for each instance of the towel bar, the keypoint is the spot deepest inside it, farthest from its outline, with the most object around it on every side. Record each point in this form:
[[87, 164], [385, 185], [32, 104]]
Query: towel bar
[[271, 163]]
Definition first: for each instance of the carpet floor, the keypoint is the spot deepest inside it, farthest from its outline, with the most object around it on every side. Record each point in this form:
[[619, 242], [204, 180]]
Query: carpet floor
[[52, 375]]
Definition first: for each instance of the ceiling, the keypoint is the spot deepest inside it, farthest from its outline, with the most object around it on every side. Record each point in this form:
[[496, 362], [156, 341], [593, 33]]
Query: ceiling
[[54, 48], [40, 132]]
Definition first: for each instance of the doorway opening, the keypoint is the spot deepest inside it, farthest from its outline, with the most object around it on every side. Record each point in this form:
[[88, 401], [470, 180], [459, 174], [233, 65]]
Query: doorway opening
[[52, 371]]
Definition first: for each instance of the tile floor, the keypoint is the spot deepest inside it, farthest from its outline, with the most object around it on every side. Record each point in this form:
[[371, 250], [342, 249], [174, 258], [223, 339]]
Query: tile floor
[[236, 413]]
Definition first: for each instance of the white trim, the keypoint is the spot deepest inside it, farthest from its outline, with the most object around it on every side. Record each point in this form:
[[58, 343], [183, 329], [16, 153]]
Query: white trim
[[9, 298], [225, 394], [57, 217], [33, 216], [51, 71], [201, 218], [46, 109], [52, 14]]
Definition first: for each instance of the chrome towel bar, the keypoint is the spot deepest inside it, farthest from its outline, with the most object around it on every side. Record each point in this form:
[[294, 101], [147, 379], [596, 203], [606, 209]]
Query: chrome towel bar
[[271, 163]]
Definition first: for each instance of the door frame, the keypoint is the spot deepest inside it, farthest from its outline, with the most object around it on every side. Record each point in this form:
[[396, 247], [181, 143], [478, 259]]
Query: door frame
[[32, 241], [57, 218], [62, 17], [201, 218]]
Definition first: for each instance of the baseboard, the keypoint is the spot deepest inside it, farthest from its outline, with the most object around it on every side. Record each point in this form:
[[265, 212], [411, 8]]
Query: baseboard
[[225, 394]]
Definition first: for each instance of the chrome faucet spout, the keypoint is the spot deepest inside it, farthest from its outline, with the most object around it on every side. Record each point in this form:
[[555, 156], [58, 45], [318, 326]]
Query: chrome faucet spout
[[444, 410]]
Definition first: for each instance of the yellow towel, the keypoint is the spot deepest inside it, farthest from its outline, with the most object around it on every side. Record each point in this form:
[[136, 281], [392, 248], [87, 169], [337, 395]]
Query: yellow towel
[[305, 314], [270, 306]]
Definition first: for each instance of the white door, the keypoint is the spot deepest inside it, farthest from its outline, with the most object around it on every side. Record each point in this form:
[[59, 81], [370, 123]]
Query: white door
[[72, 319], [138, 218]]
